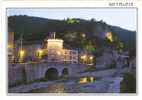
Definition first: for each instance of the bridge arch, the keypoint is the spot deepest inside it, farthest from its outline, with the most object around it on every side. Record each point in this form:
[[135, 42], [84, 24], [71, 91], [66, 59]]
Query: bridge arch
[[51, 74]]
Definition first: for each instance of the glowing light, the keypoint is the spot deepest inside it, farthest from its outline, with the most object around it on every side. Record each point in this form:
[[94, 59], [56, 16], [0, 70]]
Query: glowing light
[[83, 57], [54, 43], [40, 53], [10, 46], [87, 79], [109, 36], [91, 57], [83, 35], [83, 80], [58, 53], [91, 79], [21, 54]]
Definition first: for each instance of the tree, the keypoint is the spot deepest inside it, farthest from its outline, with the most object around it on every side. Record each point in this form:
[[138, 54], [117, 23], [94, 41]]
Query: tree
[[128, 84]]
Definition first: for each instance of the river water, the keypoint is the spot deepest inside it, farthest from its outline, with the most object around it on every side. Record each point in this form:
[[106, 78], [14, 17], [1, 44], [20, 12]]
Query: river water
[[81, 85], [111, 85]]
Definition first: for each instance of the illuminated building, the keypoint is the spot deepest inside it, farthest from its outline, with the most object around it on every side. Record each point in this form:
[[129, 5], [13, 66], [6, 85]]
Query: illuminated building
[[56, 52], [86, 58], [52, 51], [70, 56], [32, 50], [10, 45]]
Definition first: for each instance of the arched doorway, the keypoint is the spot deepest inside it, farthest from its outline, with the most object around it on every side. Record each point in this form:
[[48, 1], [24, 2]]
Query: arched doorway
[[65, 72], [51, 74]]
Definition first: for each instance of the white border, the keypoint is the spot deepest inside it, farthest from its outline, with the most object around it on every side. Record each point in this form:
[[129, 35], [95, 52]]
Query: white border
[[3, 31]]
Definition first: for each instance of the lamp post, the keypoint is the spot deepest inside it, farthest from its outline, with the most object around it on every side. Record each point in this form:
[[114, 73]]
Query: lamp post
[[21, 55], [21, 51]]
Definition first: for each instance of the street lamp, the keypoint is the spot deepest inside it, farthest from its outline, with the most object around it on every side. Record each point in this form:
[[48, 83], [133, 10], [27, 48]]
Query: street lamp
[[84, 58], [83, 35], [21, 55], [91, 59]]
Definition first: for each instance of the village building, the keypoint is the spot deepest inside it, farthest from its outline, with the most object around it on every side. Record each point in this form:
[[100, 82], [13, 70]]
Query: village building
[[57, 53], [29, 48], [10, 45], [51, 50]]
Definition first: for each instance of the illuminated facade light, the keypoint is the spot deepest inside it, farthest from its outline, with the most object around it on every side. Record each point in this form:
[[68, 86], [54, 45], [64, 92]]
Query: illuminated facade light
[[39, 53], [21, 55], [91, 79], [58, 53], [83, 35], [83, 57], [91, 57], [10, 46], [55, 43], [83, 80], [109, 36], [87, 59]]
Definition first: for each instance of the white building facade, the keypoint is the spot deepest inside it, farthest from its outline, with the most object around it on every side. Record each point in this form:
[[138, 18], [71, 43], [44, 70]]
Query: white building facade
[[57, 53]]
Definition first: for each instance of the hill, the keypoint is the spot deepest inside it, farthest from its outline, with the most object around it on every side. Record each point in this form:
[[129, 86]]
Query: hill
[[75, 32]]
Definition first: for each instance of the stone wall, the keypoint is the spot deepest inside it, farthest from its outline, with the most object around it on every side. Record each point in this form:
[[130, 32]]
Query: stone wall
[[15, 74], [31, 72]]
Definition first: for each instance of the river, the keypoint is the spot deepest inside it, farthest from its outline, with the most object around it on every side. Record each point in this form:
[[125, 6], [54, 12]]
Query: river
[[103, 85]]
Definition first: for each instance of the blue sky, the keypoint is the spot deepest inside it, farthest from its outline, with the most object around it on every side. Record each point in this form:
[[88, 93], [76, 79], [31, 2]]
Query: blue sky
[[125, 18]]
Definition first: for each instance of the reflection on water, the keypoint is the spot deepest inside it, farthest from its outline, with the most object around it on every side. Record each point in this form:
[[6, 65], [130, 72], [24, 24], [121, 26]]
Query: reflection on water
[[52, 88], [56, 88], [64, 87], [86, 79]]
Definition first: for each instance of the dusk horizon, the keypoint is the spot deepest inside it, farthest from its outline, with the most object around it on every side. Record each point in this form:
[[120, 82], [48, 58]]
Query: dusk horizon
[[117, 17]]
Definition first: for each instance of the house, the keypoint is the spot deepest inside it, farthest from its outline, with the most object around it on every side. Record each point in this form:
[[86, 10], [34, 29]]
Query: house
[[51, 50], [30, 50], [10, 45], [57, 53]]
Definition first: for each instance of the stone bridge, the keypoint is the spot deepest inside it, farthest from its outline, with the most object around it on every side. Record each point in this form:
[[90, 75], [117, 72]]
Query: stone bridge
[[33, 71]]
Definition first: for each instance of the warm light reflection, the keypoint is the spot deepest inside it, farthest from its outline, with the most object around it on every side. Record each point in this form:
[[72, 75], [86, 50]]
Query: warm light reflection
[[83, 80], [86, 79]]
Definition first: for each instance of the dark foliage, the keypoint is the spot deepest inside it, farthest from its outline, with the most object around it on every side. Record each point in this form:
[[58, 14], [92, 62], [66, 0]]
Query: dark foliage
[[128, 85], [35, 28]]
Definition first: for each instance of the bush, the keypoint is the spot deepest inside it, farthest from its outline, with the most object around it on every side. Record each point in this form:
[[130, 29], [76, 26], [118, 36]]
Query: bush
[[128, 85]]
